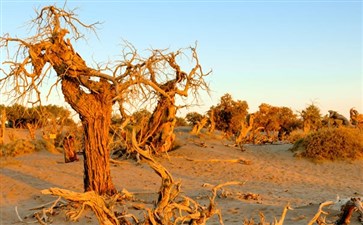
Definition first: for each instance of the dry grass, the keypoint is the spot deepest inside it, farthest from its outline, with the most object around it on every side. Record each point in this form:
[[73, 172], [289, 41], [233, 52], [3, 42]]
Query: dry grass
[[22, 146], [332, 144], [296, 135]]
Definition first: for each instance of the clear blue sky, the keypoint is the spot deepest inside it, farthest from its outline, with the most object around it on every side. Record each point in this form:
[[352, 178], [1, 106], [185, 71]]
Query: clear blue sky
[[284, 53]]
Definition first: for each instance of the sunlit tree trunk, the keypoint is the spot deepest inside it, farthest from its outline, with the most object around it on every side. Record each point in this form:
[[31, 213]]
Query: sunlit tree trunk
[[97, 175], [246, 127], [31, 129], [160, 128], [95, 113], [92, 93], [212, 122], [200, 124], [2, 131]]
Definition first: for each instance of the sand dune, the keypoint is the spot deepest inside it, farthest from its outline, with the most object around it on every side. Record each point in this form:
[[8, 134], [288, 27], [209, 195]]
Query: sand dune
[[274, 176]]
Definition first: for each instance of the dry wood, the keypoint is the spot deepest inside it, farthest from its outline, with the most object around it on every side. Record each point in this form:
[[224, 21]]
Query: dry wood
[[70, 153], [239, 160], [320, 211], [199, 125], [17, 214], [283, 215], [354, 204], [356, 118], [99, 205], [2, 129], [54, 203], [212, 120], [246, 127], [132, 81], [167, 208]]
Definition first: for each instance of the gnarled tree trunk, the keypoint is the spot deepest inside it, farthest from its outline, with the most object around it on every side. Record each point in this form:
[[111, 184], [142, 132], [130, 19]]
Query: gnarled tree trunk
[[2, 129], [160, 129], [246, 127], [95, 113], [200, 124], [97, 175], [212, 122]]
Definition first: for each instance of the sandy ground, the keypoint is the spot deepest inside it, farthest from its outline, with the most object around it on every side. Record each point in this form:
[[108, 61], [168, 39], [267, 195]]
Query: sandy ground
[[274, 175]]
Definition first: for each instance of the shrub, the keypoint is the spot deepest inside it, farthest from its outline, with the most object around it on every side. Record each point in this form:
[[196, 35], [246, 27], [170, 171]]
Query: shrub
[[181, 122], [295, 135], [18, 147], [22, 146], [332, 144]]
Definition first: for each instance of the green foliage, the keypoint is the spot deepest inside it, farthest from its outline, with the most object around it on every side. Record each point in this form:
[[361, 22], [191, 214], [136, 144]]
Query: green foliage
[[273, 118], [288, 120], [312, 117], [193, 118], [229, 114], [332, 144], [18, 116], [181, 122]]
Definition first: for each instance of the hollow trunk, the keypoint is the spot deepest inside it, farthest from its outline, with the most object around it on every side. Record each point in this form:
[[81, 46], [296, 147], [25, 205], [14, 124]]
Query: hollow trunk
[[160, 128], [70, 154]]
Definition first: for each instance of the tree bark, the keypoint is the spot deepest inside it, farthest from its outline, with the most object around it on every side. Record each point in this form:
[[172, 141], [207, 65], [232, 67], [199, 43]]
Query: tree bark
[[2, 130], [212, 122], [95, 113], [31, 129], [160, 129], [246, 127], [97, 175], [70, 154], [200, 124]]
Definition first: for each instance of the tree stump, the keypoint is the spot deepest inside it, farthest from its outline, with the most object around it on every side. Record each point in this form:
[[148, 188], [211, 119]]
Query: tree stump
[[70, 154]]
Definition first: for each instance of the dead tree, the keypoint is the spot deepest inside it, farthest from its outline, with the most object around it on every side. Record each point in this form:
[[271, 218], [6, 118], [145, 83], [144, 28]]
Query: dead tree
[[91, 99], [92, 92], [212, 120], [356, 118], [70, 153], [158, 133], [32, 129], [2, 129], [354, 204], [336, 116], [199, 125], [246, 127]]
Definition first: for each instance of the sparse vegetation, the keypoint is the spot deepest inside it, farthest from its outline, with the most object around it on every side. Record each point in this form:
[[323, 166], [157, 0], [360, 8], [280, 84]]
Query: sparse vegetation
[[22, 147], [311, 118], [159, 81], [332, 144]]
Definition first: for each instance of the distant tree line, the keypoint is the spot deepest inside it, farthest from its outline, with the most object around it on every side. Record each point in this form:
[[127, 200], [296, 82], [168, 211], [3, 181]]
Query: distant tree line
[[19, 116], [268, 124]]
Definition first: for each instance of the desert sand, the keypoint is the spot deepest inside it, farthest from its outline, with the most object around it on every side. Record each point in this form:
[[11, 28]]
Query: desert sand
[[274, 176]]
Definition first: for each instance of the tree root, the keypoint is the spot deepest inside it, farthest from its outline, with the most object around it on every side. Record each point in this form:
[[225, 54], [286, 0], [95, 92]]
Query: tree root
[[239, 160], [101, 206], [168, 210], [354, 204]]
